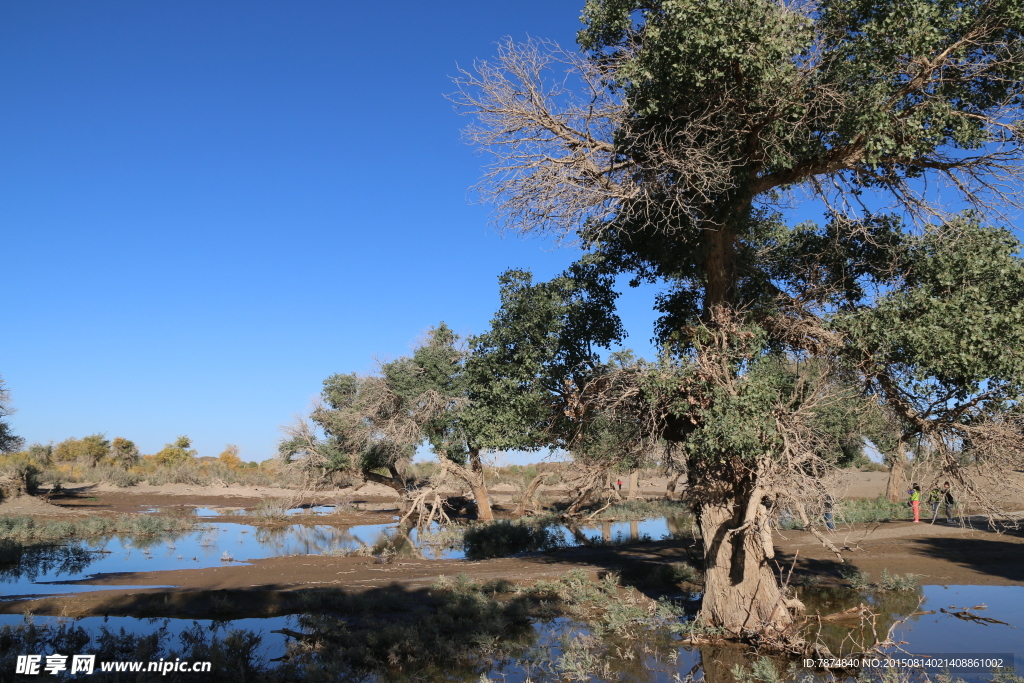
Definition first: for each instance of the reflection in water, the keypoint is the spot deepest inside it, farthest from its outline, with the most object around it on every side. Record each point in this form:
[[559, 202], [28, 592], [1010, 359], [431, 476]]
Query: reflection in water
[[856, 633], [48, 560]]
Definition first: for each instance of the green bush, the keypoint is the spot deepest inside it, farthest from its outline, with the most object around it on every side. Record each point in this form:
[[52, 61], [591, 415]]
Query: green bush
[[881, 509], [632, 510], [895, 582], [858, 579]]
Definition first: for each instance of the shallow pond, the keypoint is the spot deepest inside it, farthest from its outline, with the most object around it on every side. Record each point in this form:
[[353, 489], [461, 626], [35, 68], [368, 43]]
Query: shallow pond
[[938, 633], [209, 546], [561, 649], [53, 569]]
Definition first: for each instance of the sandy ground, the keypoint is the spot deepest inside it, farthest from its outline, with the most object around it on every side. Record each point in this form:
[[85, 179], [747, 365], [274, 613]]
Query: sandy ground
[[940, 554]]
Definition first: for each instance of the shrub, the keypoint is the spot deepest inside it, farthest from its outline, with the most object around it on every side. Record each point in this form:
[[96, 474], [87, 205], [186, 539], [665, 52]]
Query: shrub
[[632, 510], [880, 509], [21, 472], [858, 579], [270, 511], [895, 582]]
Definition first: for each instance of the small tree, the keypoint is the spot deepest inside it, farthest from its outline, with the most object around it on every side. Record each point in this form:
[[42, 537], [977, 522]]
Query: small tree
[[9, 443], [528, 373], [353, 430], [123, 452], [90, 450], [177, 452], [229, 456]]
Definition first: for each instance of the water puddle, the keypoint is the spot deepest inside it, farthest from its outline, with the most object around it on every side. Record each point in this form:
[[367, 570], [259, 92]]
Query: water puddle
[[923, 627], [558, 649], [272, 645], [201, 511], [47, 569], [53, 569]]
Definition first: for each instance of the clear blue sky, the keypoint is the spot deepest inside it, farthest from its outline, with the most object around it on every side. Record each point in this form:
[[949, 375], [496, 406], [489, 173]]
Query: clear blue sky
[[208, 207]]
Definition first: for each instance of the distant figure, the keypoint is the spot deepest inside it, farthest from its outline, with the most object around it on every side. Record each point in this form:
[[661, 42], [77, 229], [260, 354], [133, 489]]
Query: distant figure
[[915, 501], [619, 482], [947, 497], [828, 512], [934, 498]]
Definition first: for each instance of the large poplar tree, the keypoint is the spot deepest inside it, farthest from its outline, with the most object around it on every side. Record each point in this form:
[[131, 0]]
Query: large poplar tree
[[673, 147]]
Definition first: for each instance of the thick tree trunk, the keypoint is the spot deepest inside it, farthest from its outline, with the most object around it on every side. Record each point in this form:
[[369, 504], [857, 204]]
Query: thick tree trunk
[[670, 487], [897, 466], [634, 485], [531, 490], [392, 482], [478, 484], [397, 475], [719, 246], [741, 592]]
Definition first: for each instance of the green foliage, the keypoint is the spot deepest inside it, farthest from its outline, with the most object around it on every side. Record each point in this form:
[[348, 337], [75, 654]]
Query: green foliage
[[89, 449], [862, 510], [763, 670], [952, 333], [630, 510], [176, 453], [542, 343], [896, 582], [123, 452], [859, 580]]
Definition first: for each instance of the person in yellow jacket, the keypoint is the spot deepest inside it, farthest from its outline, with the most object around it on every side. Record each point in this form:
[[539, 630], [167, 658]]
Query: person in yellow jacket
[[915, 501]]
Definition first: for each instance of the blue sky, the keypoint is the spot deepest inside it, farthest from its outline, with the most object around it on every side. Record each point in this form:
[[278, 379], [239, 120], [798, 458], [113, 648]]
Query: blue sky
[[207, 208]]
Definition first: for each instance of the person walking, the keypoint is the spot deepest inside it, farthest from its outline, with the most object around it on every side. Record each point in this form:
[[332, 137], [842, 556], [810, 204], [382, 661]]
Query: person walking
[[915, 501], [619, 482], [947, 497], [934, 498], [829, 504]]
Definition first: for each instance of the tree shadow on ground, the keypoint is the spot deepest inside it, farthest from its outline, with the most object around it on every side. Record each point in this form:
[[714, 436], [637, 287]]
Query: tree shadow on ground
[[655, 568], [989, 556]]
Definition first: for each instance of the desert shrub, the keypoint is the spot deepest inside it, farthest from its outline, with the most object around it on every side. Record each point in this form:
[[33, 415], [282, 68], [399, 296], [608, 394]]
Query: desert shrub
[[858, 579], [505, 537], [896, 582], [19, 473], [881, 509], [179, 472], [270, 511], [763, 670], [632, 510], [178, 451]]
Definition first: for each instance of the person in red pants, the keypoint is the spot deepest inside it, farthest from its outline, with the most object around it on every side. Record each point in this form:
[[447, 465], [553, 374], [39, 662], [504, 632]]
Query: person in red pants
[[915, 501]]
